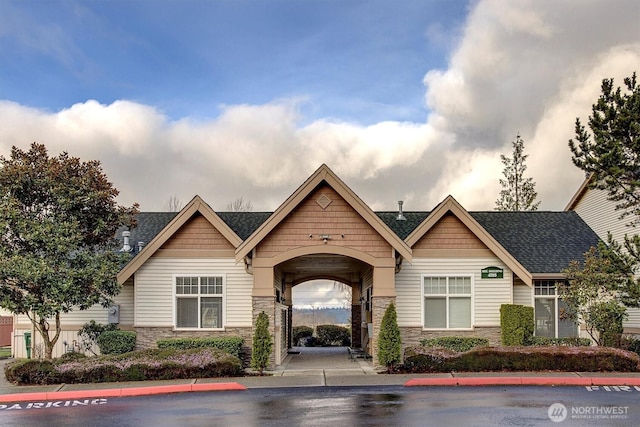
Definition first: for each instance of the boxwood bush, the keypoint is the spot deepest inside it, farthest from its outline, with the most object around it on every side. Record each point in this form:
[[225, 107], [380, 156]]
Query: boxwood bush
[[329, 335], [516, 324], [458, 344], [521, 358], [117, 342], [232, 345]]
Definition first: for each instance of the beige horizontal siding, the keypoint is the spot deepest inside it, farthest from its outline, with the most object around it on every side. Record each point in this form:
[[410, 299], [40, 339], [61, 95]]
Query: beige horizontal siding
[[522, 294], [154, 289], [488, 294]]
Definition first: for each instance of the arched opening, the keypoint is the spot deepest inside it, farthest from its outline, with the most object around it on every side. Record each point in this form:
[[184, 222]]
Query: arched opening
[[317, 303], [327, 288]]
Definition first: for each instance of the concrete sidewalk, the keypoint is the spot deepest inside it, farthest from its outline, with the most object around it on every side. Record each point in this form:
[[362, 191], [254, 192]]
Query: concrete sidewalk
[[311, 367]]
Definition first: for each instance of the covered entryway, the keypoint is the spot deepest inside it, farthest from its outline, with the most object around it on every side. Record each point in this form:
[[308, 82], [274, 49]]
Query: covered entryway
[[323, 231]]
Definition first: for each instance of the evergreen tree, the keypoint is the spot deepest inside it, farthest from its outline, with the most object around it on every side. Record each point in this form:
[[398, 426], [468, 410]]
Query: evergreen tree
[[389, 342], [262, 344], [610, 154], [518, 193]]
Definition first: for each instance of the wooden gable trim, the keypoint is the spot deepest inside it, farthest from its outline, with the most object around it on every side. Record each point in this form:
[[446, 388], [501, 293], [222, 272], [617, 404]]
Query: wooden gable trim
[[579, 194], [323, 173], [449, 204], [195, 205]]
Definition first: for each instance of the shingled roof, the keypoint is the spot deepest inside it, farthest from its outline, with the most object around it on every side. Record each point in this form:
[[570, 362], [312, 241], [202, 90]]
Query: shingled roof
[[542, 241]]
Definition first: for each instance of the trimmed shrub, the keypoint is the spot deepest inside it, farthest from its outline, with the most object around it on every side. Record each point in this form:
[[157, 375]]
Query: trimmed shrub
[[572, 342], [72, 355], [150, 364], [521, 358], [91, 331], [457, 344], [117, 342], [262, 344], [516, 324], [31, 371], [330, 335], [389, 342], [300, 332], [232, 345]]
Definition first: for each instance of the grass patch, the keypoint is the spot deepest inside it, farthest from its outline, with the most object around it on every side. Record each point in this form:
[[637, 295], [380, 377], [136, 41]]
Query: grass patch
[[5, 352]]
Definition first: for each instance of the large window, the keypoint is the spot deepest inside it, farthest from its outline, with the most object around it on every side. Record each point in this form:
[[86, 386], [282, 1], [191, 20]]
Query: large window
[[446, 302], [199, 302], [550, 312]]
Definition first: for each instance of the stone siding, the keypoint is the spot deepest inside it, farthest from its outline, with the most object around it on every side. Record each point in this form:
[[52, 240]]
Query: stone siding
[[379, 306], [268, 305], [412, 336], [147, 337]]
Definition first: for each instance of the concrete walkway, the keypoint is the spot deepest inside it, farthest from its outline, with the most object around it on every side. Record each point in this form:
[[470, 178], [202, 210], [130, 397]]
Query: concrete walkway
[[323, 360]]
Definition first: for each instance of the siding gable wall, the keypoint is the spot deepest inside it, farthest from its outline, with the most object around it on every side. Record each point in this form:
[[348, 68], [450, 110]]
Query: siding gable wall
[[601, 215], [449, 233], [337, 219], [198, 233]]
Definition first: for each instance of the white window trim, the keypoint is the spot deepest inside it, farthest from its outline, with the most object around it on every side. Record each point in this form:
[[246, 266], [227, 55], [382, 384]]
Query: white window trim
[[175, 299], [556, 298], [471, 296]]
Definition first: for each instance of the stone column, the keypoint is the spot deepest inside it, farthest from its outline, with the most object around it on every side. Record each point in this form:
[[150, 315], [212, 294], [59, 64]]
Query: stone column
[[264, 300], [384, 293]]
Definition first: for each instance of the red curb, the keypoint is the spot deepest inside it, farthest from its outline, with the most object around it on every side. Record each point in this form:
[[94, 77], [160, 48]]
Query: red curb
[[118, 392], [614, 381], [556, 381], [217, 387], [162, 389], [489, 381], [418, 382], [20, 397], [82, 394]]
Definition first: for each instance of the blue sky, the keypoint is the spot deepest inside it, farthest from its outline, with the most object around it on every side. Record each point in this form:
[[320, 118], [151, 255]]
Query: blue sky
[[340, 58], [404, 100]]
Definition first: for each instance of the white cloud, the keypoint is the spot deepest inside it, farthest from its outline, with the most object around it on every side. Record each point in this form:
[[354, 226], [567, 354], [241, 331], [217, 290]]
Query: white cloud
[[519, 66]]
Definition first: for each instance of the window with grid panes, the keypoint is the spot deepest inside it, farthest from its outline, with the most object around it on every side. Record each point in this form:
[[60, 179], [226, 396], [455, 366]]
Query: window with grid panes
[[446, 302], [199, 302]]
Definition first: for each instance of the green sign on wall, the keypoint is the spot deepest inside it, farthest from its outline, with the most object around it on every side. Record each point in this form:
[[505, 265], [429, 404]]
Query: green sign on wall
[[492, 273]]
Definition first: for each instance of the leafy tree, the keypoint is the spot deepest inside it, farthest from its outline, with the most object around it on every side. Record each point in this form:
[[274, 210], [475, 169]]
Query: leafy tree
[[262, 343], [518, 193], [58, 218], [610, 153], [389, 342], [594, 291]]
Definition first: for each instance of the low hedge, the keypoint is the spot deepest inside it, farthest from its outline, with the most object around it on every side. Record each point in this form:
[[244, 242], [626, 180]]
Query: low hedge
[[521, 358], [117, 342], [232, 345], [300, 332], [458, 344], [329, 335], [574, 342], [152, 364]]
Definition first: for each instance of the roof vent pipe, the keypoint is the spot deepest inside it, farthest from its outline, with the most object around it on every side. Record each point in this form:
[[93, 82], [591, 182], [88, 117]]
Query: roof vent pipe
[[125, 241], [140, 246], [400, 216]]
